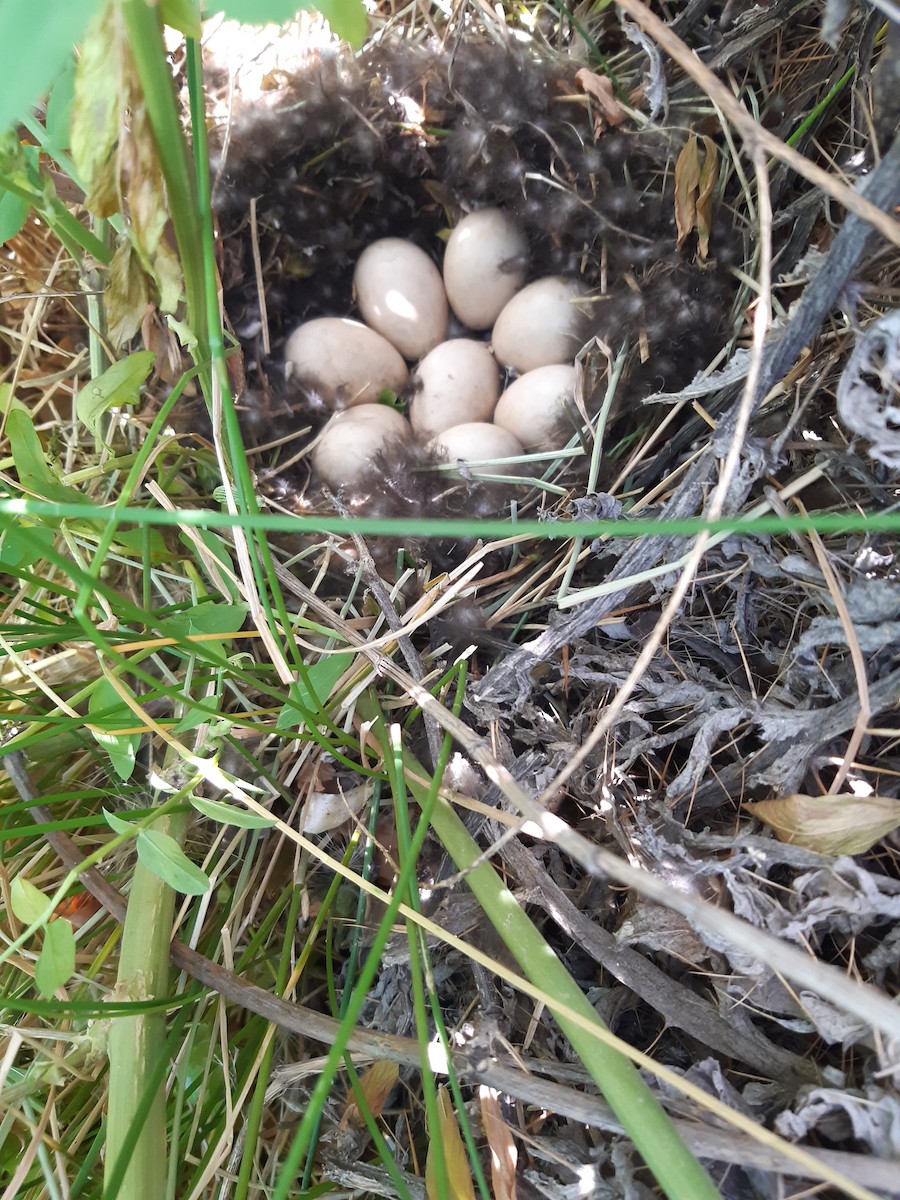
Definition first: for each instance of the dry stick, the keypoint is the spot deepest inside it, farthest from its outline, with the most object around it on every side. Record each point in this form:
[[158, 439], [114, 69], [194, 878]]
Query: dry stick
[[864, 1001], [755, 136], [707, 1142]]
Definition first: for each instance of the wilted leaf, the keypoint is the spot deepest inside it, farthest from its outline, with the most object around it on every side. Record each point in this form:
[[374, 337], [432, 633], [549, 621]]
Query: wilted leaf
[[324, 811], [376, 1084], [705, 188], [829, 824], [56, 962], [459, 1178], [601, 89], [501, 1144], [96, 115], [108, 710], [119, 384], [163, 856], [687, 181], [127, 294], [183, 15]]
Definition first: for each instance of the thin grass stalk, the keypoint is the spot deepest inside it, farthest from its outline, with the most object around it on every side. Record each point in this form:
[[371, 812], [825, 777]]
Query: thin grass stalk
[[676, 1169], [136, 1045], [298, 1149]]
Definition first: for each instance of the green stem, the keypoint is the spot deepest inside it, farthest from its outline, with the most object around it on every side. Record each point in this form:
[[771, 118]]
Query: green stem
[[136, 1045]]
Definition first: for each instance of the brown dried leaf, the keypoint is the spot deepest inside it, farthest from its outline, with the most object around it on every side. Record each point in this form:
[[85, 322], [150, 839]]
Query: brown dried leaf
[[376, 1083], [459, 1179], [829, 824], [127, 294], [502, 1146], [687, 181], [601, 89], [706, 186]]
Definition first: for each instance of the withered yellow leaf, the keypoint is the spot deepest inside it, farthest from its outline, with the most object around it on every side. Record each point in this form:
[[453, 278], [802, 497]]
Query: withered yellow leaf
[[459, 1178], [504, 1155], [829, 824]]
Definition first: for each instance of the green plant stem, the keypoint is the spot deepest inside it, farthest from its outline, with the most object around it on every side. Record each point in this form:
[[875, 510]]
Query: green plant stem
[[678, 1172], [136, 1045]]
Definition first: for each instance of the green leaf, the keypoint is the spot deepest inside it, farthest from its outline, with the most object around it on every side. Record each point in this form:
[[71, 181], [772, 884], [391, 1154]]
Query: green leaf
[[230, 814], [117, 824], [119, 384], [34, 45], [163, 856], [107, 709], [205, 618], [27, 902], [322, 677], [23, 545], [14, 212], [35, 475], [56, 963], [346, 17], [59, 107], [216, 547], [184, 16]]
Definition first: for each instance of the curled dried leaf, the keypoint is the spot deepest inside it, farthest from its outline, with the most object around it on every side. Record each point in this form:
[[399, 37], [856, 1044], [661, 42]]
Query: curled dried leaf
[[459, 1178], [600, 89], [376, 1084], [829, 824], [504, 1155]]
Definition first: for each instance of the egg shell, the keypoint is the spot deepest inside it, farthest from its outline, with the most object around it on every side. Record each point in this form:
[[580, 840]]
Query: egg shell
[[541, 325], [484, 266], [458, 381], [534, 407], [351, 440], [345, 360], [401, 295], [475, 441]]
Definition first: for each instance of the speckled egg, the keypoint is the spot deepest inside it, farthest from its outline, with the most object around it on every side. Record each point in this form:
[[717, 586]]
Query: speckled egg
[[401, 295], [484, 266], [459, 381]]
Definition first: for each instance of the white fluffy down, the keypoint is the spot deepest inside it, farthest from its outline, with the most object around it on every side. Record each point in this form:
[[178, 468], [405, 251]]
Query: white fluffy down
[[351, 440], [458, 381], [540, 325], [534, 407], [348, 362], [477, 441], [484, 266], [401, 294]]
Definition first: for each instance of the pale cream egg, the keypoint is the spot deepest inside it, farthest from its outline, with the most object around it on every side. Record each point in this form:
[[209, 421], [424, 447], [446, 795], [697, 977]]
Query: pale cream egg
[[458, 381], [350, 442], [536, 407], [401, 295], [345, 360], [484, 266], [479, 443], [541, 325]]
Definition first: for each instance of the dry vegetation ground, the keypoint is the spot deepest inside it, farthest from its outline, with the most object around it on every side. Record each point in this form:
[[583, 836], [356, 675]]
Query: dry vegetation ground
[[701, 729]]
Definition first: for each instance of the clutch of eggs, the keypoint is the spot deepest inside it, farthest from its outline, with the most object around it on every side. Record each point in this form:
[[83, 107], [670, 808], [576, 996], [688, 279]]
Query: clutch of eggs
[[457, 406]]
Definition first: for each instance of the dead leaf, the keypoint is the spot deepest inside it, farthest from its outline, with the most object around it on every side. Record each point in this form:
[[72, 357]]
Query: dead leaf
[[127, 294], [687, 181], [376, 1083], [459, 1178], [504, 1154], [829, 824], [96, 114], [600, 88], [707, 185]]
